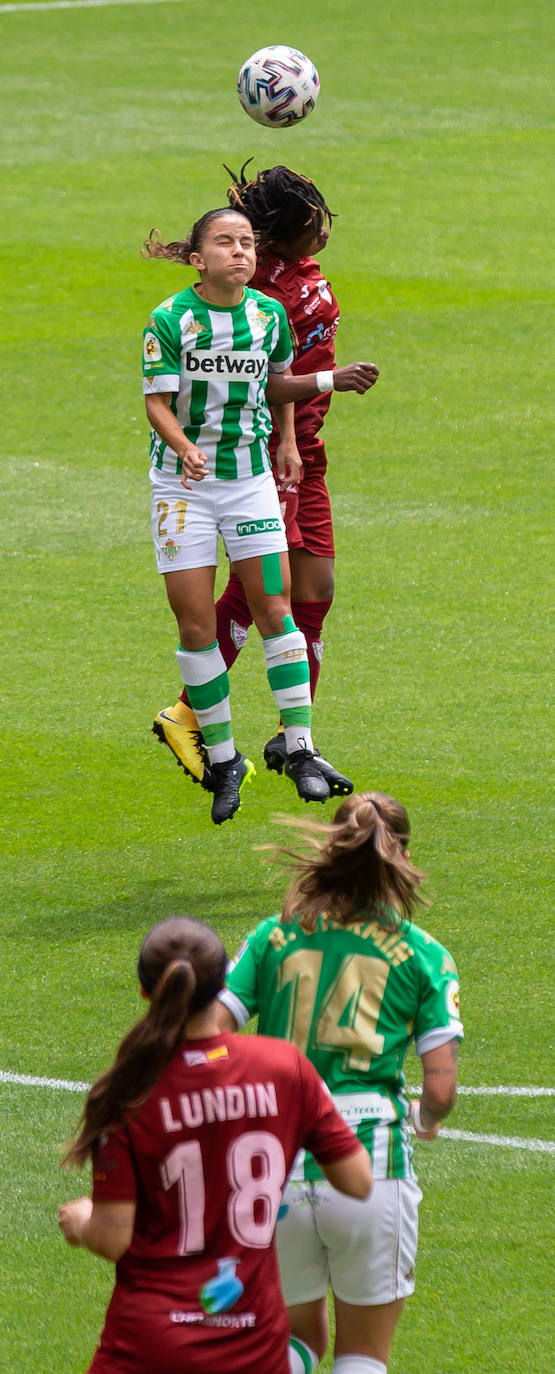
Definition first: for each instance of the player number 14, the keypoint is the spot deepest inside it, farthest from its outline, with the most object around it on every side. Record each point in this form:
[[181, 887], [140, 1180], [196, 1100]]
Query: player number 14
[[349, 1010]]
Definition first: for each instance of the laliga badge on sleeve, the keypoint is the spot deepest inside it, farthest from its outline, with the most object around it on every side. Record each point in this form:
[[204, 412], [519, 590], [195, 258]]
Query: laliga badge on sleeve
[[152, 351], [453, 1000]]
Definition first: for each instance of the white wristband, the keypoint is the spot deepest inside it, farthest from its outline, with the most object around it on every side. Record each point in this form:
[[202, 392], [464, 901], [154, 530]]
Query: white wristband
[[416, 1117], [324, 381]]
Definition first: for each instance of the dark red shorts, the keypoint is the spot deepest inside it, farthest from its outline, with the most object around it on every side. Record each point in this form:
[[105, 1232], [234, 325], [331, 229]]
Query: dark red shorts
[[306, 510]]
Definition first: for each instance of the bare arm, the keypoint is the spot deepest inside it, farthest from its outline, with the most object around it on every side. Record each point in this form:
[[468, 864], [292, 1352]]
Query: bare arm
[[168, 427], [439, 1089], [283, 386], [288, 457], [224, 1018], [105, 1228], [352, 1175]]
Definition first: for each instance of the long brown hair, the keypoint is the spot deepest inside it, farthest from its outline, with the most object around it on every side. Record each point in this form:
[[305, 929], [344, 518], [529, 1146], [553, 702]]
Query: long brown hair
[[181, 968], [358, 865]]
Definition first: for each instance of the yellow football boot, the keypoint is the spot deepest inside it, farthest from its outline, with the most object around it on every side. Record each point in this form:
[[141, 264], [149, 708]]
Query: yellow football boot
[[177, 726]]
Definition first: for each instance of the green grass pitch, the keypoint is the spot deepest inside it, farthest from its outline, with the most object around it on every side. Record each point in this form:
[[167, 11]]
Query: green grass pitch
[[431, 140]]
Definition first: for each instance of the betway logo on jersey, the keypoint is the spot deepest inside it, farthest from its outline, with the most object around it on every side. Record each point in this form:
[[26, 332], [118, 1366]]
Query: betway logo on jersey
[[231, 367]]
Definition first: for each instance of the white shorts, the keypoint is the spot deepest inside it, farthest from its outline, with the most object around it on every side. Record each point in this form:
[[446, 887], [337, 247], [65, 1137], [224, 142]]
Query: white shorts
[[186, 522], [365, 1251]]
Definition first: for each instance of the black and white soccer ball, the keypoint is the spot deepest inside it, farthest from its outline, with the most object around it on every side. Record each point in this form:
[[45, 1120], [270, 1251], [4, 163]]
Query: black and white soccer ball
[[278, 86]]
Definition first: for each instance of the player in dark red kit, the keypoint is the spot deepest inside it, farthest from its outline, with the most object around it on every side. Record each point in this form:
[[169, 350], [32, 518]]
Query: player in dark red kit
[[192, 1134], [292, 222]]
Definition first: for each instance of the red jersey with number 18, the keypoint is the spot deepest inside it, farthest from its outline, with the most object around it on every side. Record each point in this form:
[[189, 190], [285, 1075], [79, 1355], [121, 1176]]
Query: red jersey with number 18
[[205, 1161]]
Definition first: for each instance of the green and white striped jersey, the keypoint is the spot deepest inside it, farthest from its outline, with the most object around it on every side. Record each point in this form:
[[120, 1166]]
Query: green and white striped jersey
[[352, 998], [214, 361]]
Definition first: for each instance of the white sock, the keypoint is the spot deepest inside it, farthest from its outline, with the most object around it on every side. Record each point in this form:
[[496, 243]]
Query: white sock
[[289, 678], [358, 1364], [205, 676], [302, 1360]]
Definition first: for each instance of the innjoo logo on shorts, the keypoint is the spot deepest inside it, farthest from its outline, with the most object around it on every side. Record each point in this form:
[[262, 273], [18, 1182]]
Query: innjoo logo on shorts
[[258, 526]]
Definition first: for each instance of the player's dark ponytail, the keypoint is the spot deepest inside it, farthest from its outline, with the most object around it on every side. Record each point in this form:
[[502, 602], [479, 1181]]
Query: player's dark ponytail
[[181, 968], [358, 868]]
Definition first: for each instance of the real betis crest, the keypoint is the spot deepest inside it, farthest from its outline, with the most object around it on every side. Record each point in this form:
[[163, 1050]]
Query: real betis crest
[[170, 548]]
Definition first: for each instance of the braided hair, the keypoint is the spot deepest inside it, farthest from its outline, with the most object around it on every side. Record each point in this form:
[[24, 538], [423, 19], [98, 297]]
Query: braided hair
[[280, 204]]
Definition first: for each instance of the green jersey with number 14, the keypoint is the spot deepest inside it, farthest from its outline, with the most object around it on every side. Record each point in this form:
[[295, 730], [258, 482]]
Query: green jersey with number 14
[[352, 998], [213, 362]]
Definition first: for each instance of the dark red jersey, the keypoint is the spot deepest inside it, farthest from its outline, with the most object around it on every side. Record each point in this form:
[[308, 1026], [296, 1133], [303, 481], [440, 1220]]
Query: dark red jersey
[[313, 315], [205, 1161]]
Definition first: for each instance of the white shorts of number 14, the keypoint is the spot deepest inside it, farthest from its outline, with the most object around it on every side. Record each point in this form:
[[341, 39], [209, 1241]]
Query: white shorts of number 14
[[366, 1250]]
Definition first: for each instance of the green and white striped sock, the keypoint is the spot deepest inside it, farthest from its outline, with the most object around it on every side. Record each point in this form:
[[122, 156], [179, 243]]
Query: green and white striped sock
[[289, 678], [205, 676], [302, 1360]]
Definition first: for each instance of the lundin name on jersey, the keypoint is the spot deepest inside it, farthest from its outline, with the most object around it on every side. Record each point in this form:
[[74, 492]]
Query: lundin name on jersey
[[220, 1104], [225, 364]]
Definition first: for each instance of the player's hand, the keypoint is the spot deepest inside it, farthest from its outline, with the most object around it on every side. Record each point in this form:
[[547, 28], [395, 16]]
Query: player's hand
[[194, 465], [289, 462], [72, 1217], [355, 377], [417, 1124]]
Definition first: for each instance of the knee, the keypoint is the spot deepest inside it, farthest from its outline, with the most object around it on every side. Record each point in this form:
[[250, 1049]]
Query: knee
[[196, 632], [326, 589], [269, 618], [312, 578], [194, 639]]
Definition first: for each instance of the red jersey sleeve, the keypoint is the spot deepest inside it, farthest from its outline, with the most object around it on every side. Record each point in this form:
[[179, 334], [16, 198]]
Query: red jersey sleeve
[[327, 1137], [113, 1172]]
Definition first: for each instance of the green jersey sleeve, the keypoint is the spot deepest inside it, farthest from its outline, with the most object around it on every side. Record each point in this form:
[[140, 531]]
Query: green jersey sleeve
[[439, 1002], [162, 347], [241, 994]]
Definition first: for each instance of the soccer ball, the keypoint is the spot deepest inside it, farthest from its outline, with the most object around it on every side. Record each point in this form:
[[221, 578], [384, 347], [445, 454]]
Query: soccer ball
[[278, 86]]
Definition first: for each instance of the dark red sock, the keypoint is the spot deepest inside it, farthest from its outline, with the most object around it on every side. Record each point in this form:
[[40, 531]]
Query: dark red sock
[[309, 617], [233, 619]]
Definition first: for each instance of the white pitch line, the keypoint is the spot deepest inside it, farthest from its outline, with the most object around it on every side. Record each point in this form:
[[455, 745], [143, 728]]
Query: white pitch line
[[29, 1081], [83, 4], [511, 1142], [475, 1138], [32, 1081], [497, 1092]]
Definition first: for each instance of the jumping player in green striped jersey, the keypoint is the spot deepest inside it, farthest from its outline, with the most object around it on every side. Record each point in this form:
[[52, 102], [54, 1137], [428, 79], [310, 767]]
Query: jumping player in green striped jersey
[[214, 356], [346, 975]]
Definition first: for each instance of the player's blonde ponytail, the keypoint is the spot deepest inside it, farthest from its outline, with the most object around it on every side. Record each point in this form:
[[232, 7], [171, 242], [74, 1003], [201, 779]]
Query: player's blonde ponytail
[[358, 866]]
